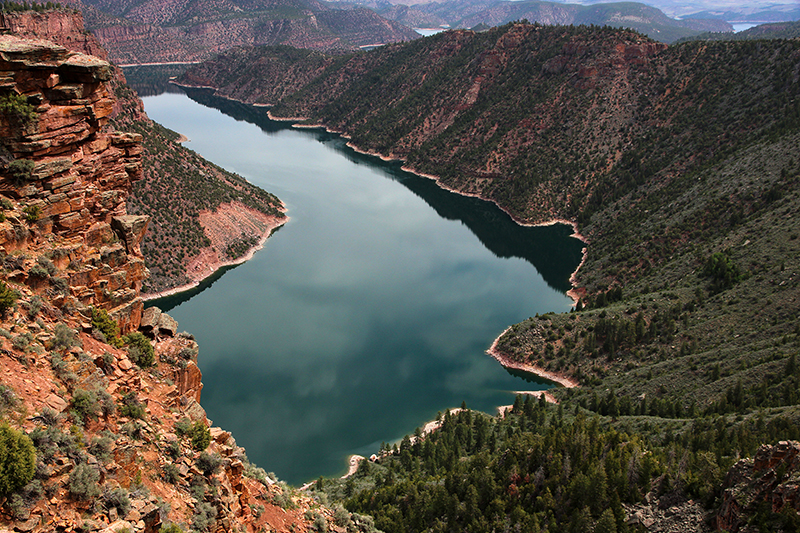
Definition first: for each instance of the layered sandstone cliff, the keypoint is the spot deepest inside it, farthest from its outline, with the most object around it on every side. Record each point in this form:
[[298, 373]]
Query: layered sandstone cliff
[[771, 479], [187, 199], [69, 178]]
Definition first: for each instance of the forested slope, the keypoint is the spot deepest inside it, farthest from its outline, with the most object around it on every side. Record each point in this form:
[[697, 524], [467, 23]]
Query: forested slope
[[178, 186]]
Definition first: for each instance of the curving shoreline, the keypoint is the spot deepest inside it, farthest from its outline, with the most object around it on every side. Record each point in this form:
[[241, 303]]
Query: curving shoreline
[[575, 293], [215, 266], [560, 379]]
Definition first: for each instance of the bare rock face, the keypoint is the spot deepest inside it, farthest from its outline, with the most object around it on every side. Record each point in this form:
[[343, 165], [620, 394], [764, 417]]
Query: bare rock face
[[157, 324], [131, 230], [68, 177], [64, 27], [771, 476]]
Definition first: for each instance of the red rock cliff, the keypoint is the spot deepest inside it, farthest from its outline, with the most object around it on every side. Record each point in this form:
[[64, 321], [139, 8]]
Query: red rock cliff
[[770, 477], [70, 177]]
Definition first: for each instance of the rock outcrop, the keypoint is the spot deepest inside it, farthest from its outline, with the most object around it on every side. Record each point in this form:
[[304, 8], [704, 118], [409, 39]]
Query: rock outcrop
[[69, 178], [62, 26], [772, 477], [183, 243]]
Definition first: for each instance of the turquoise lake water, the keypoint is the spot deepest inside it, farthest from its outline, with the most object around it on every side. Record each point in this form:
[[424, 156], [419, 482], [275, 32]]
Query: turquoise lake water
[[366, 314]]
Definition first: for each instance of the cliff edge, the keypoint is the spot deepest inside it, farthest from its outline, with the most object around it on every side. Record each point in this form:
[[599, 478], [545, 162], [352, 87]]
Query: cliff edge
[[99, 414]]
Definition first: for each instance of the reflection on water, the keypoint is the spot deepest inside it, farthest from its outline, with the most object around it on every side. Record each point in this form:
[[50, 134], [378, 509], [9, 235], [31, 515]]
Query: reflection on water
[[546, 248], [370, 311], [152, 80]]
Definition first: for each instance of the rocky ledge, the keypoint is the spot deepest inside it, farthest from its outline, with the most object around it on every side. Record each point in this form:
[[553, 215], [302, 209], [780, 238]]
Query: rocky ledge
[[771, 479], [67, 177]]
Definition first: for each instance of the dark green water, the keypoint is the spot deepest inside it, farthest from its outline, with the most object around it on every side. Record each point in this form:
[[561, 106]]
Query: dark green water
[[370, 311]]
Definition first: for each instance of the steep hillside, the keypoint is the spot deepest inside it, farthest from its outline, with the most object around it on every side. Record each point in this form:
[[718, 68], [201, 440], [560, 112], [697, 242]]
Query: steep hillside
[[156, 31], [546, 121], [202, 216]]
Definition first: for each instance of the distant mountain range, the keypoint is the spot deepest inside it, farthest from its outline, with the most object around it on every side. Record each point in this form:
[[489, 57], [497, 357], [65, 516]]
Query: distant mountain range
[[167, 31], [473, 13], [755, 11], [159, 31]]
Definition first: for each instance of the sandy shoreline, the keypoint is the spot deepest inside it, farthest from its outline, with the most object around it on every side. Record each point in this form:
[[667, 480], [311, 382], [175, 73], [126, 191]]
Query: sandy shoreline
[[560, 379], [217, 265]]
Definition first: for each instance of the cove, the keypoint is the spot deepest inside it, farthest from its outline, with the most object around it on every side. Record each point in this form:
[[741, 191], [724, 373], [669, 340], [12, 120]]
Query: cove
[[370, 311]]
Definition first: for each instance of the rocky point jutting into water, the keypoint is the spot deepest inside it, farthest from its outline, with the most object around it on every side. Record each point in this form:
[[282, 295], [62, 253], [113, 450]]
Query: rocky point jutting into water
[[101, 443]]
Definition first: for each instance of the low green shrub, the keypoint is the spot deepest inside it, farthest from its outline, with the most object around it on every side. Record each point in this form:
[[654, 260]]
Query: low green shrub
[[64, 337], [22, 341], [171, 473], [173, 449], [32, 214], [208, 463], [17, 106], [102, 447], [140, 351], [47, 264], [8, 298], [85, 405], [34, 305], [102, 322], [21, 170], [200, 436], [8, 398], [183, 427], [49, 417], [131, 407], [117, 498], [17, 459], [83, 482], [205, 517]]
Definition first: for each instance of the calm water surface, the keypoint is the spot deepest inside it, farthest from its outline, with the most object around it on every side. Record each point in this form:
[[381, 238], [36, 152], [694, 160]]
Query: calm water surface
[[369, 312]]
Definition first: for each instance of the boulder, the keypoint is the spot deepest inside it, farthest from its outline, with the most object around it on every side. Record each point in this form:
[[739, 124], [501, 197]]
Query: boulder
[[167, 326], [149, 324], [131, 230]]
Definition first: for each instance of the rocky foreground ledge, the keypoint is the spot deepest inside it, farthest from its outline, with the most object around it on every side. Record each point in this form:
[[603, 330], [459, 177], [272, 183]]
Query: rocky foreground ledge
[[100, 420], [69, 179]]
